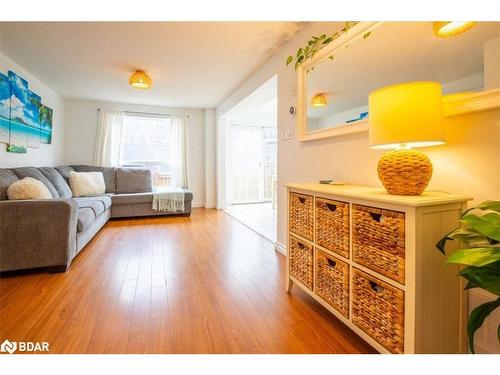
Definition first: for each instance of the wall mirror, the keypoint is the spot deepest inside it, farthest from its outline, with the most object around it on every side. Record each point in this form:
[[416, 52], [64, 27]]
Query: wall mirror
[[333, 93]]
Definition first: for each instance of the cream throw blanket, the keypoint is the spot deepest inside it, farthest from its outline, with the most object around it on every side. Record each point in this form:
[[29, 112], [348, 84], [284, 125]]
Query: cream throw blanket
[[168, 199]]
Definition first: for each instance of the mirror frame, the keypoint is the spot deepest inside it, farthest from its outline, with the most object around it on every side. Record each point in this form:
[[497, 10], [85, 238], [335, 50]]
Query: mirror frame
[[354, 34], [453, 104]]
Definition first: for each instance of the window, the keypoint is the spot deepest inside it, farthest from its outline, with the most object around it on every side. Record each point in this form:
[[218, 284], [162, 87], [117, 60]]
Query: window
[[145, 143]]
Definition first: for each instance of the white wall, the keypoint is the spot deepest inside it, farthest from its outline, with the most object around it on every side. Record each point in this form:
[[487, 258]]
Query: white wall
[[210, 190], [47, 155], [468, 163], [81, 131]]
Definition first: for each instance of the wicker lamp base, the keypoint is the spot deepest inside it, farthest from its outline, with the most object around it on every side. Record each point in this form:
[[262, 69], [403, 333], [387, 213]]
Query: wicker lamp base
[[404, 172]]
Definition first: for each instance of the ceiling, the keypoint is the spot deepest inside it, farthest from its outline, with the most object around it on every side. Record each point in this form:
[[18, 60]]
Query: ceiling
[[399, 52], [192, 64], [260, 108]]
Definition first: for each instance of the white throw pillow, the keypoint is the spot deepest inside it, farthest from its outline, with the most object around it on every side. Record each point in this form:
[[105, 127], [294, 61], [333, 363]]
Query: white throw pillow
[[87, 184], [28, 188]]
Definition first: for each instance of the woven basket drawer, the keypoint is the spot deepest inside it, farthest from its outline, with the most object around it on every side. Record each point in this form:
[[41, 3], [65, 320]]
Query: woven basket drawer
[[378, 309], [332, 281], [378, 240], [332, 225], [301, 215], [301, 261]]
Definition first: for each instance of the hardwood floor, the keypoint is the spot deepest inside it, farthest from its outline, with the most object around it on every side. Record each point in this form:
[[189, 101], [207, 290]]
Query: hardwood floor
[[205, 284]]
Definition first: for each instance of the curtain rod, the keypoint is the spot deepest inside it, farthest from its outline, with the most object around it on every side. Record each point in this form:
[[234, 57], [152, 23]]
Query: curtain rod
[[148, 113]]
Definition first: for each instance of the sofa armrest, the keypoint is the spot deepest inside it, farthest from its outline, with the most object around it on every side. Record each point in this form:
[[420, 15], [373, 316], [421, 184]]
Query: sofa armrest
[[37, 233]]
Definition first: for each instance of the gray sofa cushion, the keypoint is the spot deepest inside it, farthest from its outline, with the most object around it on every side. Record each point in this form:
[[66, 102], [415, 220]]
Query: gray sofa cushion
[[136, 198], [7, 177], [98, 204], [36, 174], [133, 180], [89, 209], [108, 173], [58, 181], [64, 171], [86, 217], [132, 198]]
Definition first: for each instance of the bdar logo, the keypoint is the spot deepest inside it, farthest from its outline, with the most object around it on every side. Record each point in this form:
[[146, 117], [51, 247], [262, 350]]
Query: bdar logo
[[8, 347]]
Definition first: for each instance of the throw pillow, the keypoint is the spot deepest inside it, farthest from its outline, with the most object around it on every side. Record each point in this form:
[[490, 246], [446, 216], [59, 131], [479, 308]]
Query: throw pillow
[[87, 184], [28, 188]]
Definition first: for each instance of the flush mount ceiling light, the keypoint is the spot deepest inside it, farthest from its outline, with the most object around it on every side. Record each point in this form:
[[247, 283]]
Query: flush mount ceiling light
[[319, 100], [140, 80], [445, 29]]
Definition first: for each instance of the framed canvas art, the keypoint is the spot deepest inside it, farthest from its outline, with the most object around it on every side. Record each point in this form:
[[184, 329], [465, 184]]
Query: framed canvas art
[[46, 117], [4, 108], [32, 112], [18, 140]]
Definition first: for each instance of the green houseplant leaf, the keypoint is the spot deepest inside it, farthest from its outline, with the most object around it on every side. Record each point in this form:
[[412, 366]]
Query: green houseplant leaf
[[486, 205], [479, 256], [485, 277], [486, 224], [480, 231], [468, 236], [490, 205], [477, 317], [316, 43]]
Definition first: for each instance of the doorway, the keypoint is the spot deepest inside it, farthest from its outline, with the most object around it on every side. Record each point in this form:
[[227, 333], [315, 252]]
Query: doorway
[[250, 167], [253, 164]]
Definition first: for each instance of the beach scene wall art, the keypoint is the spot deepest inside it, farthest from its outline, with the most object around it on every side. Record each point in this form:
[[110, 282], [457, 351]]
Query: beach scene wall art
[[24, 121], [33, 116], [4, 108], [18, 141], [46, 124]]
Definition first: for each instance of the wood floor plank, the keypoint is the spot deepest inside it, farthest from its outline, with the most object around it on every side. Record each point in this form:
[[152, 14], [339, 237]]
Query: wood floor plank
[[204, 284]]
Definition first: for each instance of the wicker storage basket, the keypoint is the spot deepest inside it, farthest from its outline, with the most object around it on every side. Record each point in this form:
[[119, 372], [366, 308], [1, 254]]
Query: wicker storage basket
[[301, 215], [332, 281], [332, 225], [378, 240], [301, 261], [378, 309]]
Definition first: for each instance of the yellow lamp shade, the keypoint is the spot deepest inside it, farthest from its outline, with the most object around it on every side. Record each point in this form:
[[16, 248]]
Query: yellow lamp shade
[[445, 29], [406, 115], [319, 100], [140, 80]]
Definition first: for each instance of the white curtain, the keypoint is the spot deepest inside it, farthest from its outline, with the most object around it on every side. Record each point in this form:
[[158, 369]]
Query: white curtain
[[178, 153], [109, 134]]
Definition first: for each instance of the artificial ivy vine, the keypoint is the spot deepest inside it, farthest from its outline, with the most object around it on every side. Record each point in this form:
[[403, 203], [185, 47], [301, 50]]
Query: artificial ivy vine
[[316, 43]]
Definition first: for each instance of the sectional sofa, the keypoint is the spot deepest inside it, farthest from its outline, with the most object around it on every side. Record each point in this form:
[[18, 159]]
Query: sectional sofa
[[50, 233]]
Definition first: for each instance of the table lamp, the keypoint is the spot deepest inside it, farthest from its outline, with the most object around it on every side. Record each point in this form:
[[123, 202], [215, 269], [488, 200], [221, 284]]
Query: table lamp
[[402, 117]]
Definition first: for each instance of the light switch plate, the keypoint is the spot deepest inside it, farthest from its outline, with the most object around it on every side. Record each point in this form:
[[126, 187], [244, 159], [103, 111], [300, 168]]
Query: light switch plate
[[288, 133]]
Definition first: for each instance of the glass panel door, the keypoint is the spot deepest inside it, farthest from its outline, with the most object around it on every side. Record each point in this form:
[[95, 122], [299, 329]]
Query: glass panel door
[[246, 143]]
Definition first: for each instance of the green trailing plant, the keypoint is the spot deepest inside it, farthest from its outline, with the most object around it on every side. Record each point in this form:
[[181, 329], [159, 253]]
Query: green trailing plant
[[479, 230], [316, 43]]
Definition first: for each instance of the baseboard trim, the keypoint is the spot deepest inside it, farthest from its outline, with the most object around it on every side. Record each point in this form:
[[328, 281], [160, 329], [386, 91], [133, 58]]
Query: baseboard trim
[[198, 204], [280, 248], [210, 205]]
